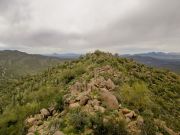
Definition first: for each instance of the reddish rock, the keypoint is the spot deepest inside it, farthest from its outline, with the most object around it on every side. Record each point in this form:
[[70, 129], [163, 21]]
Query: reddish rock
[[110, 85], [125, 111], [109, 99], [84, 100]]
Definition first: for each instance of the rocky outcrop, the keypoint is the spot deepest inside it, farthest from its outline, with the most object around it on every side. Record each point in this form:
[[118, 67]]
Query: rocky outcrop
[[45, 112], [109, 99], [95, 96]]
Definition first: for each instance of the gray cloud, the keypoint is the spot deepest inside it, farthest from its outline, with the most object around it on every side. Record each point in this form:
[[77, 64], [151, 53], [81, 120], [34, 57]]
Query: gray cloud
[[14, 11], [154, 26], [156, 23]]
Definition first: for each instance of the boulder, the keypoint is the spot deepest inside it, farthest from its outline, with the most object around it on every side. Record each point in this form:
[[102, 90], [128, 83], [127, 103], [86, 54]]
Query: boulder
[[74, 105], [58, 133], [125, 111], [84, 100], [109, 99], [31, 121], [99, 82], [76, 88], [45, 112], [131, 115], [110, 85]]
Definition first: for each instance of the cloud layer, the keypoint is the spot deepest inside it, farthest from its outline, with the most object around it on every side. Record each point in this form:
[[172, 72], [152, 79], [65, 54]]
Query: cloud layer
[[124, 26]]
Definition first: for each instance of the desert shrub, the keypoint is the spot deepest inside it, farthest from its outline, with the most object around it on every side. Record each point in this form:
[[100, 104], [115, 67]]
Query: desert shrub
[[68, 76], [136, 95], [80, 69], [78, 119], [60, 102], [109, 128], [149, 127], [12, 121]]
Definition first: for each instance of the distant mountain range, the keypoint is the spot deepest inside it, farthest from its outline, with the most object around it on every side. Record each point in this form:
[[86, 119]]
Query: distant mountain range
[[169, 61], [16, 63], [163, 60]]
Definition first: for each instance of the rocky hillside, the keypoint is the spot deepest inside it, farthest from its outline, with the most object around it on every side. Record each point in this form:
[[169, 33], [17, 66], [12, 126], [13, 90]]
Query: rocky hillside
[[97, 94]]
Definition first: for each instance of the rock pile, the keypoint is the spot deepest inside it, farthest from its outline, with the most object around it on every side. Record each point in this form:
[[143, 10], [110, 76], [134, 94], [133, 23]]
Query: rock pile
[[93, 96]]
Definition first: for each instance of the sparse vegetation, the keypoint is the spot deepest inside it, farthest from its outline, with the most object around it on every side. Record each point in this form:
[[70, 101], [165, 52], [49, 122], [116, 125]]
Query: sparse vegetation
[[150, 92]]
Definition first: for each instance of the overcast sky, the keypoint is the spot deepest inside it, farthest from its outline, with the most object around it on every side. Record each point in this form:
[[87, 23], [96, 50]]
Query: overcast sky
[[79, 26]]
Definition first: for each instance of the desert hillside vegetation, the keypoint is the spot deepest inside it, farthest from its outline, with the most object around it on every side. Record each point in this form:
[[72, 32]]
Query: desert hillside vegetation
[[98, 94]]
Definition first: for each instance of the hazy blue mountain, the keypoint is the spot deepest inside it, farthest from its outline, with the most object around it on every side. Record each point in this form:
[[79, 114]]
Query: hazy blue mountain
[[169, 61], [161, 55]]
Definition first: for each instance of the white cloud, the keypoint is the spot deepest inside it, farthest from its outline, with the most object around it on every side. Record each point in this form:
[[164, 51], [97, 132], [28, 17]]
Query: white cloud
[[39, 26], [79, 15]]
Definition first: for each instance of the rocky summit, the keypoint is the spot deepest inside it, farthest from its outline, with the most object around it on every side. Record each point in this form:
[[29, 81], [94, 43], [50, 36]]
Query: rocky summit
[[98, 94]]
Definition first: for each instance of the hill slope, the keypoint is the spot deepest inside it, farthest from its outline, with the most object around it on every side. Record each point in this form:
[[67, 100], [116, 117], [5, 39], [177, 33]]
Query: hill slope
[[16, 63], [90, 96]]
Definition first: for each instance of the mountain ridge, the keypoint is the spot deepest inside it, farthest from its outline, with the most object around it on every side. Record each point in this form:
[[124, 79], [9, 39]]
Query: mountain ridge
[[149, 92], [17, 63]]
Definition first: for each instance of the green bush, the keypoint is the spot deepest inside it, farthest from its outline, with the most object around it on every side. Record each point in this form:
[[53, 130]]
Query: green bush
[[136, 95], [110, 128], [68, 76], [60, 102], [78, 119], [149, 127]]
